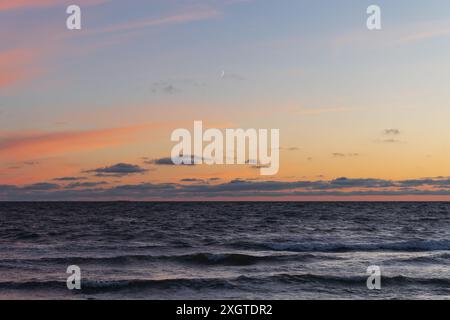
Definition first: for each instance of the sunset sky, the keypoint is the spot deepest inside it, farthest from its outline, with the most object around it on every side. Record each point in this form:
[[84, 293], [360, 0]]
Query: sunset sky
[[87, 114]]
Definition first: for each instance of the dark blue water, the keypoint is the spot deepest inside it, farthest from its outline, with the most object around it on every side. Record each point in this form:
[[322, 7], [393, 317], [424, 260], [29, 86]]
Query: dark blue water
[[224, 250]]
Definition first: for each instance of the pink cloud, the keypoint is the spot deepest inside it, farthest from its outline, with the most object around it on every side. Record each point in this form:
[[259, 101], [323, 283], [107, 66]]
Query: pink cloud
[[16, 66], [32, 4], [39, 144]]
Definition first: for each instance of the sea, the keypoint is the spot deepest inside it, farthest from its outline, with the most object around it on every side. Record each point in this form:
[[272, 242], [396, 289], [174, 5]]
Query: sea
[[225, 250]]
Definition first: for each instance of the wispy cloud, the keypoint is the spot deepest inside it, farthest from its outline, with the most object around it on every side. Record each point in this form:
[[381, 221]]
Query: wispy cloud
[[166, 88], [405, 34], [6, 5], [391, 136], [65, 179], [434, 32], [76, 185], [391, 141], [192, 180], [117, 170], [318, 111], [188, 160], [16, 65], [25, 145], [231, 76], [392, 132], [344, 155], [42, 186], [156, 22]]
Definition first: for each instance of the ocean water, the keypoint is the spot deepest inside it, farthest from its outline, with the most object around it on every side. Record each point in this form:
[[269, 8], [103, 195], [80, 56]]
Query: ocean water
[[224, 250]]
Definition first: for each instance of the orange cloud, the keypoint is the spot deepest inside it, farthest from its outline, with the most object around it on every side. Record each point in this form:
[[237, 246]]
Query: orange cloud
[[41, 144]]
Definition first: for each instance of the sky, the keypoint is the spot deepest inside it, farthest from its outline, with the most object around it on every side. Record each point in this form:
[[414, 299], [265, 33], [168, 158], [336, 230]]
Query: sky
[[87, 114]]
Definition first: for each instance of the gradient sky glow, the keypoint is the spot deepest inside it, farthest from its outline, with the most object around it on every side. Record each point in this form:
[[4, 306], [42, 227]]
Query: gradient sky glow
[[84, 114]]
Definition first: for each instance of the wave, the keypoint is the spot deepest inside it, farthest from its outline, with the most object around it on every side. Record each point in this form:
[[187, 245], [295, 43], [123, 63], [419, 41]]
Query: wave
[[225, 259], [90, 286], [239, 259], [360, 280], [443, 258], [19, 235], [411, 246]]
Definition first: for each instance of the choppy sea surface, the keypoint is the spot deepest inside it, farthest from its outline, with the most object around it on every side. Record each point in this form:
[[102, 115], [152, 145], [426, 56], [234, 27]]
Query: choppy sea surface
[[224, 250]]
